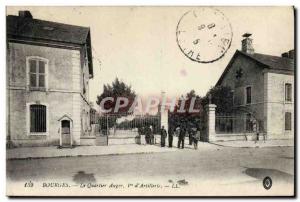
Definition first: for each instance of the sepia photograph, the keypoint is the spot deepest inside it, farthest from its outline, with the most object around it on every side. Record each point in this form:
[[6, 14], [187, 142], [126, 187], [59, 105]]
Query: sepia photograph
[[150, 101]]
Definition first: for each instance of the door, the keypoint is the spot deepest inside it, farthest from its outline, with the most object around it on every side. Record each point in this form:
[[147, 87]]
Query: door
[[65, 133]]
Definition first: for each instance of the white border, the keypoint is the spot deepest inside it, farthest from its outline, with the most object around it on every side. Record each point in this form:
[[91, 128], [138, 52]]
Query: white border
[[108, 2]]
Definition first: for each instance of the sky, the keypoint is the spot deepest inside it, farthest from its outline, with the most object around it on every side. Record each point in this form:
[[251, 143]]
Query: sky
[[138, 44]]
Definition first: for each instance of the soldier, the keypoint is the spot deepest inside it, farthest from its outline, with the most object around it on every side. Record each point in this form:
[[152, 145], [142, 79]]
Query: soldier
[[191, 132], [163, 135], [181, 137], [196, 138], [147, 134], [255, 130], [151, 135], [170, 138]]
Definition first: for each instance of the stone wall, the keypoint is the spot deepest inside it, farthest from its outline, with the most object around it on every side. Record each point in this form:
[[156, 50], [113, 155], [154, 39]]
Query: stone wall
[[63, 95], [252, 75], [268, 103], [276, 106]]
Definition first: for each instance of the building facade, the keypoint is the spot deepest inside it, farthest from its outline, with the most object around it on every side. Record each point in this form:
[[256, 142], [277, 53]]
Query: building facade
[[263, 87], [49, 65]]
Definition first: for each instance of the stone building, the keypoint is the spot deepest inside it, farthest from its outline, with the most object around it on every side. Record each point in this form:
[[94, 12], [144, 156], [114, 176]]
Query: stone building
[[263, 85], [49, 65]]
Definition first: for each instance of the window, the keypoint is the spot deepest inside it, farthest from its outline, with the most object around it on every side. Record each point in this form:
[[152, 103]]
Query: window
[[36, 68], [288, 92], [83, 83], [288, 120], [232, 97], [248, 95], [38, 116]]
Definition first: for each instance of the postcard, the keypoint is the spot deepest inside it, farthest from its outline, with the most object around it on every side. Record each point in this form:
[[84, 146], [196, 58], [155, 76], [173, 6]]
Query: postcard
[[141, 101]]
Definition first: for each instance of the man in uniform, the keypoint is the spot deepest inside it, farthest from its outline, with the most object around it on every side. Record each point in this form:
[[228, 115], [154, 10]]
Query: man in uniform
[[181, 137], [170, 137], [163, 135]]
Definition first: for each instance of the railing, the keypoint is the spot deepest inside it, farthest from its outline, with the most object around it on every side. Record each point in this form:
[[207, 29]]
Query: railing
[[237, 123], [127, 125]]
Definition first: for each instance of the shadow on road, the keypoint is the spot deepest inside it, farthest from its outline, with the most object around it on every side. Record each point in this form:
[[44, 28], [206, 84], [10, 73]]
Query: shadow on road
[[276, 175], [82, 177]]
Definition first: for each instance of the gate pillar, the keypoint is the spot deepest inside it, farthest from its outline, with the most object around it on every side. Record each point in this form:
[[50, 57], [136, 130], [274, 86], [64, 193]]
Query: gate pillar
[[164, 119], [163, 112], [210, 110]]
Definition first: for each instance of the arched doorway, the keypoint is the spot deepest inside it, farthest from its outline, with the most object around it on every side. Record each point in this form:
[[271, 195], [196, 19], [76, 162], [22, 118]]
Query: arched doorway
[[66, 136]]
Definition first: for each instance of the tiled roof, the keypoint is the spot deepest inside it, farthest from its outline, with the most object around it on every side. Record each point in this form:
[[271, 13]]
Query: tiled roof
[[273, 62], [45, 30], [270, 62], [52, 32]]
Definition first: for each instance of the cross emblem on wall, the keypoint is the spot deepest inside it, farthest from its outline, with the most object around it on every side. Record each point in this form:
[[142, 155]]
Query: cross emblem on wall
[[239, 73]]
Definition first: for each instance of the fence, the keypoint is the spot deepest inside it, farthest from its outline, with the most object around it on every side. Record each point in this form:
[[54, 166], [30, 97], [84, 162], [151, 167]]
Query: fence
[[127, 124], [237, 123]]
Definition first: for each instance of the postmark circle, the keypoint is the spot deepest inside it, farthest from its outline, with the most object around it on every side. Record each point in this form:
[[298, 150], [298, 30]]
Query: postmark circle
[[267, 183], [204, 34]]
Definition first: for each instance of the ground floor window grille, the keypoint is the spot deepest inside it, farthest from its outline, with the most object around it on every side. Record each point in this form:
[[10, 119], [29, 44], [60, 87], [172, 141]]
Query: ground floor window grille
[[38, 118]]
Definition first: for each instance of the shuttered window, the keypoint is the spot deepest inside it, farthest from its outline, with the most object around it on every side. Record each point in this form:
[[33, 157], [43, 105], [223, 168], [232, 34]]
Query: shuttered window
[[37, 73], [248, 95], [288, 121], [288, 92], [38, 118]]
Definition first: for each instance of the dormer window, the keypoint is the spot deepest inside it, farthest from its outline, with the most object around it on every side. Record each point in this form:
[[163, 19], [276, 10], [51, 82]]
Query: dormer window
[[37, 73], [48, 28]]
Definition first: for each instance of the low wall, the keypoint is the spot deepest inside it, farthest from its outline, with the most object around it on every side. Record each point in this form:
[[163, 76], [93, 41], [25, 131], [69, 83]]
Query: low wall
[[93, 141], [236, 137], [87, 140], [119, 140], [35, 143]]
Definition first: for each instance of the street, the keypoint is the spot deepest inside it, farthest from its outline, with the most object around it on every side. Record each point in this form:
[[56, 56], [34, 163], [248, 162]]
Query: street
[[218, 170]]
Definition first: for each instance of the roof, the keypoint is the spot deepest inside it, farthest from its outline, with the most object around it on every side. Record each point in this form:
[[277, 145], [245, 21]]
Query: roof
[[28, 28], [64, 116], [273, 62], [41, 29], [269, 62]]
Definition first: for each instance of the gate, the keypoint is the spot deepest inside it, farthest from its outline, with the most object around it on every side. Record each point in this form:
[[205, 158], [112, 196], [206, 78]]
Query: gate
[[240, 126], [126, 128], [237, 123]]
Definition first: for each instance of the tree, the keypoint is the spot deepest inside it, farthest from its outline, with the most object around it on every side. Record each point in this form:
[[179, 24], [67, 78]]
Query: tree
[[187, 118], [115, 90], [222, 96]]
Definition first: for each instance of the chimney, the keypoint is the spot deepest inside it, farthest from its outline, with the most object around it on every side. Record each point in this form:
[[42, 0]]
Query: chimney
[[290, 54], [25, 14], [247, 44]]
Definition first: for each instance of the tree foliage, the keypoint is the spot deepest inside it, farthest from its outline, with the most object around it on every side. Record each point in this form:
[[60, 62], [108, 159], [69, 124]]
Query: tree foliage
[[222, 96], [186, 118], [116, 89]]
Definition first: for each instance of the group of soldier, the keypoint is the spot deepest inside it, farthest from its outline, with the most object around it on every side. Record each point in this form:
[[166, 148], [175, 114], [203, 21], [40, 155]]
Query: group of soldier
[[181, 132]]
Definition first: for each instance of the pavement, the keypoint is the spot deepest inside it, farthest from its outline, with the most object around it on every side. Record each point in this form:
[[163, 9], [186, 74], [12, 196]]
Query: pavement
[[52, 152], [209, 171], [259, 144]]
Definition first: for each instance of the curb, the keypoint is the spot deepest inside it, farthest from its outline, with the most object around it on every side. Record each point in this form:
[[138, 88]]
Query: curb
[[88, 155], [250, 146]]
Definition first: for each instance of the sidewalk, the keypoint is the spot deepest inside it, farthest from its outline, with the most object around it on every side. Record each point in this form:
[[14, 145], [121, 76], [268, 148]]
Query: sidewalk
[[259, 144], [51, 152]]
